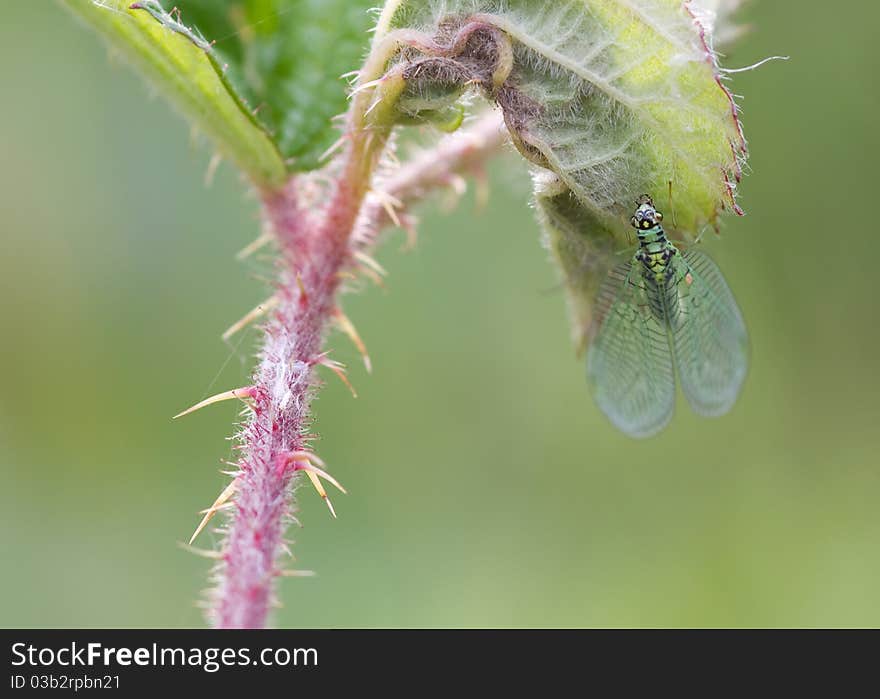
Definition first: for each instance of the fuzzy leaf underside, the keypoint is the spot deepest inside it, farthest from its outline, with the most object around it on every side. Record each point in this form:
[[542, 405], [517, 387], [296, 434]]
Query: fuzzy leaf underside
[[623, 94], [183, 67], [616, 98]]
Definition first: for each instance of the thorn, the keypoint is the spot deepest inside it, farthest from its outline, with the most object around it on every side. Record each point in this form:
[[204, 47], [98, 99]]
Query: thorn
[[303, 294], [335, 146], [391, 158], [412, 237], [224, 506], [370, 262], [288, 573], [389, 209], [390, 203], [316, 482], [204, 553], [251, 316], [365, 86], [305, 465], [303, 454], [348, 328], [213, 164], [302, 461], [211, 511], [339, 370], [373, 276], [376, 103], [240, 393], [251, 248]]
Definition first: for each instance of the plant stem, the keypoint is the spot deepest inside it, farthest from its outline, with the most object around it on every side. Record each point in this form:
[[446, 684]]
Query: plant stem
[[464, 152], [313, 253], [311, 262]]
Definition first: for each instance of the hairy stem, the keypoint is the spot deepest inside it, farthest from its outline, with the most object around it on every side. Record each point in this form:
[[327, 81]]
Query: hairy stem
[[462, 153], [314, 250], [311, 261], [277, 429]]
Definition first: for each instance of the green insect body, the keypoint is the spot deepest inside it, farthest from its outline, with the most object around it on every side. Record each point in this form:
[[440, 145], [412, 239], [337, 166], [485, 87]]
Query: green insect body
[[665, 311]]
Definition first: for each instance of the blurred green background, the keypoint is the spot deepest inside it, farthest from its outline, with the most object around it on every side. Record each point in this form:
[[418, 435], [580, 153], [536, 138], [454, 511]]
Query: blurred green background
[[485, 486]]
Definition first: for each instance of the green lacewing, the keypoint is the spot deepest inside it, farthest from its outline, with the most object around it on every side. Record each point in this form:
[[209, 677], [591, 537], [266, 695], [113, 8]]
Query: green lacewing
[[664, 312]]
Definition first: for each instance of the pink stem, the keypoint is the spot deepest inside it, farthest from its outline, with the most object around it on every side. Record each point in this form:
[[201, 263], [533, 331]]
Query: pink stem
[[313, 255], [282, 388]]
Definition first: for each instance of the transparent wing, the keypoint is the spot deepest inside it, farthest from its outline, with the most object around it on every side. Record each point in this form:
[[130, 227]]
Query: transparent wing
[[711, 342], [629, 363]]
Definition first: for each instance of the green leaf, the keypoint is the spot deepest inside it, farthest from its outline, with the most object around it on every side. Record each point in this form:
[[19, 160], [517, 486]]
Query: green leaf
[[262, 77], [615, 98], [286, 57], [183, 66]]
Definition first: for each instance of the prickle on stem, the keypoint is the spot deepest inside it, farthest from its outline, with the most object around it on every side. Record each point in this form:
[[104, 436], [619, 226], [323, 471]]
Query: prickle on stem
[[241, 393], [303, 461], [221, 501], [251, 316], [259, 242], [345, 324], [339, 369]]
